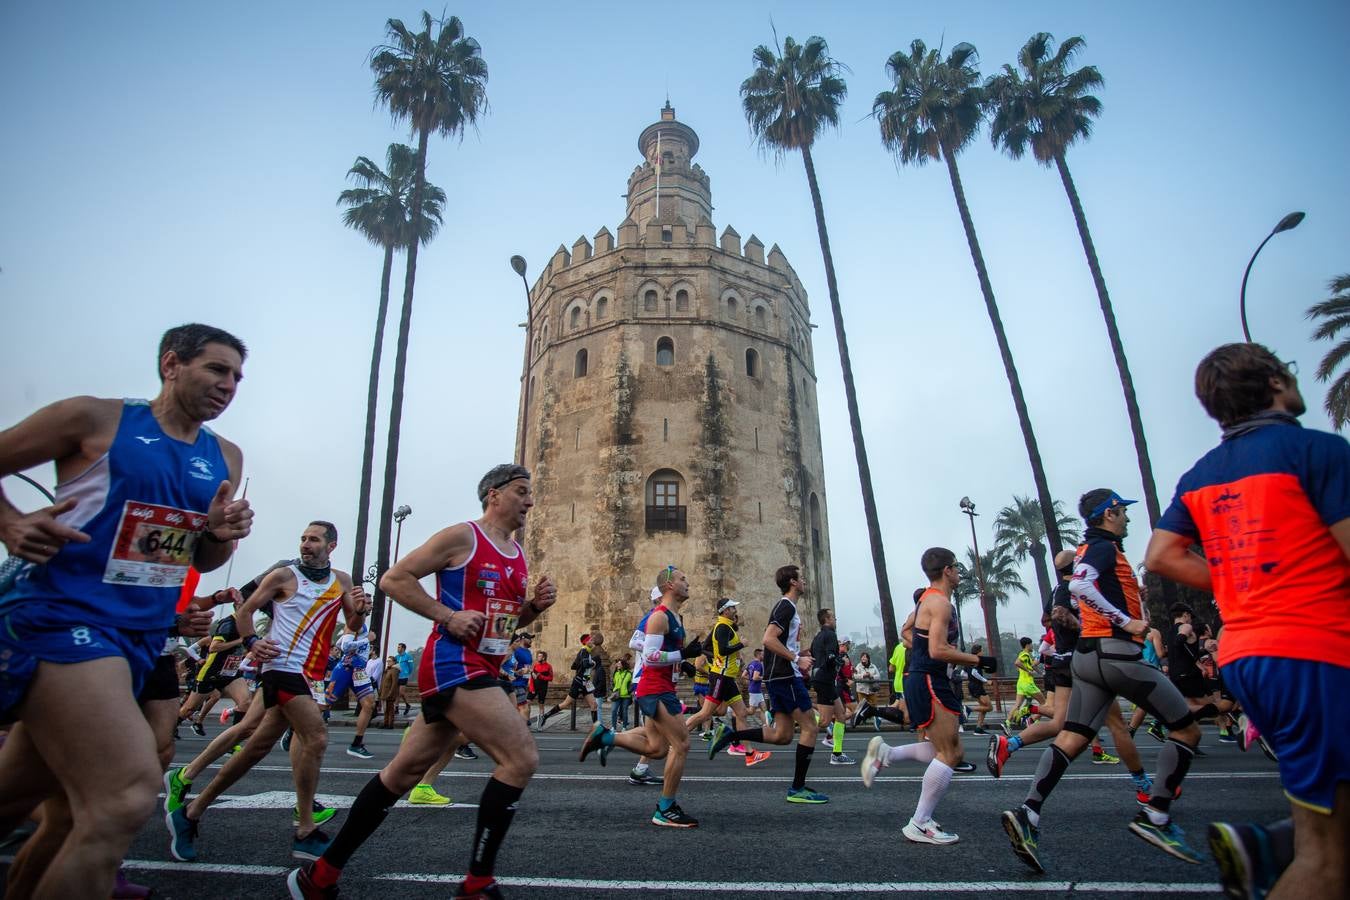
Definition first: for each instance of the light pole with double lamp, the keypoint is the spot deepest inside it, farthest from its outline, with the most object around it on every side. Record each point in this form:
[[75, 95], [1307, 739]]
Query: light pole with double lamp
[[399, 515]]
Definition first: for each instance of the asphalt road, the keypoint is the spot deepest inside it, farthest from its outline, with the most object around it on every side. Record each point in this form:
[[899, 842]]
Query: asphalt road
[[583, 832]]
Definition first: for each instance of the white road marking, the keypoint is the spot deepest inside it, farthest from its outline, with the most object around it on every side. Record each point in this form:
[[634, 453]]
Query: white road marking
[[286, 800]]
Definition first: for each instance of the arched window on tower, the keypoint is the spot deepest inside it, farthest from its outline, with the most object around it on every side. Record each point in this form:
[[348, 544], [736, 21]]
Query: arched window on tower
[[601, 308], [575, 318], [806, 398], [682, 301], [665, 499], [579, 367], [731, 307], [761, 318], [649, 301], [752, 363], [665, 352]]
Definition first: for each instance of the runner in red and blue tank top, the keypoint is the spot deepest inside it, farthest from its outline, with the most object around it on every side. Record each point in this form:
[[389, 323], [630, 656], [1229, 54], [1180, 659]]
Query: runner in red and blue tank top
[[480, 603], [143, 494]]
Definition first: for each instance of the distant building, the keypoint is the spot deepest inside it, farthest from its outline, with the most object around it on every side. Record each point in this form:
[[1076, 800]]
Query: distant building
[[669, 413]]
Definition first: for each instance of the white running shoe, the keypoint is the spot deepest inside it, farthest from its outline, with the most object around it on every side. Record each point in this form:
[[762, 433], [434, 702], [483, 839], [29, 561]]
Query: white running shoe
[[872, 759], [928, 833]]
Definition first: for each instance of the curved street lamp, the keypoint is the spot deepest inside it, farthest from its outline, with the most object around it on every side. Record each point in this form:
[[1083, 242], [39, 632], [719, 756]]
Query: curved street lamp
[[399, 515], [1288, 223], [518, 264]]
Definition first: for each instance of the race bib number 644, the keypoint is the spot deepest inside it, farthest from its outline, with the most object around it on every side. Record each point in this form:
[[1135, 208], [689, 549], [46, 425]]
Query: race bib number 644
[[153, 545]]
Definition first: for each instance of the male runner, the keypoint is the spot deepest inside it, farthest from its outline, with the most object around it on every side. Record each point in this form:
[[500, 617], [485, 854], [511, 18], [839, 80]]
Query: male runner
[[754, 677], [350, 675], [1108, 662], [583, 681], [143, 493], [785, 688], [1271, 507], [305, 600], [824, 677], [641, 774], [1027, 692], [663, 651], [480, 601], [520, 681], [979, 691], [405, 664], [932, 701], [725, 647], [220, 671]]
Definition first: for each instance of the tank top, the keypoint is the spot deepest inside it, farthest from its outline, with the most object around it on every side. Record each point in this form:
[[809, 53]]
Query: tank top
[[143, 505], [660, 678], [919, 660], [303, 625]]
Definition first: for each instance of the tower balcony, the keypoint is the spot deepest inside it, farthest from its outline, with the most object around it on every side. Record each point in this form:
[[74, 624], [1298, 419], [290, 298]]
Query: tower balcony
[[667, 518]]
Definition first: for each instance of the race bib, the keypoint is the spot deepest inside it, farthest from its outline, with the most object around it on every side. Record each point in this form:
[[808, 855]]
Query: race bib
[[231, 664], [317, 691], [498, 627], [360, 677], [153, 545]]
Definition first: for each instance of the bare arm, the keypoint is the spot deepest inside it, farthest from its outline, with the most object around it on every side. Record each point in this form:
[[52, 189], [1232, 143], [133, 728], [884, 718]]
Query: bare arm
[[445, 549], [939, 616], [276, 583], [907, 632], [1341, 532], [1169, 554]]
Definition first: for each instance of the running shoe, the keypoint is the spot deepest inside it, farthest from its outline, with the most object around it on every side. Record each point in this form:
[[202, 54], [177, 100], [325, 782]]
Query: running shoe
[[1246, 732], [176, 789], [840, 759], [310, 847], [1024, 836], [1246, 859], [320, 813], [286, 740], [861, 714], [827, 741], [595, 743], [998, 755], [1006, 728], [1104, 759], [927, 833], [706, 734], [225, 715], [233, 750], [674, 817], [871, 761], [1155, 731], [1263, 744], [636, 777], [720, 739], [1142, 795], [492, 892], [197, 728], [300, 887], [1227, 737], [182, 835], [360, 752], [465, 752], [737, 750], [978, 730], [1168, 838], [755, 757], [125, 889], [806, 795], [425, 795], [964, 767]]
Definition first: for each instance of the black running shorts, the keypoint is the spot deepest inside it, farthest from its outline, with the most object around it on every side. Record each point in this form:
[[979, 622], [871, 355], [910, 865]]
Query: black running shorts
[[162, 682], [280, 688], [924, 693], [724, 689], [435, 707], [826, 693]]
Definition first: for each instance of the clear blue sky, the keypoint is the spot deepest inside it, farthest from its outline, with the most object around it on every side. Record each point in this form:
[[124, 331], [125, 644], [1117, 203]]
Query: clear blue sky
[[170, 162]]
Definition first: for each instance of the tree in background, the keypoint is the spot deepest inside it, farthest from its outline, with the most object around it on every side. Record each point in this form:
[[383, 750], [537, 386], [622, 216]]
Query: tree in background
[[1334, 313], [1002, 579], [380, 209], [1020, 528]]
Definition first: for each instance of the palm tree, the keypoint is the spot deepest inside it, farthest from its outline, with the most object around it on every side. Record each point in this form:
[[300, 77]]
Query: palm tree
[[789, 99], [1020, 529], [436, 80], [1001, 580], [1335, 315], [1048, 110], [933, 112], [379, 209]]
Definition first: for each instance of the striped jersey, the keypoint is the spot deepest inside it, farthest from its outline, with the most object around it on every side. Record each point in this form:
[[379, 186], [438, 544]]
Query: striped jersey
[[303, 625]]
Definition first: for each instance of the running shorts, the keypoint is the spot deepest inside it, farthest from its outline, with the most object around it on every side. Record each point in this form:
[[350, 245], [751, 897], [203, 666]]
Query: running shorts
[[725, 689], [580, 688], [349, 679], [649, 704], [924, 693], [1192, 686], [33, 633], [280, 688], [701, 689], [216, 683], [1294, 704], [978, 689], [435, 707], [1107, 668], [1026, 685], [826, 692], [787, 695], [521, 694], [162, 683], [541, 691], [754, 699], [1059, 676]]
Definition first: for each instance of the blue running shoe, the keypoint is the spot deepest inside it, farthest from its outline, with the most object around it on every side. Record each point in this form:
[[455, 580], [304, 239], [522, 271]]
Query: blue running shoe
[[1168, 838], [1023, 836], [1246, 859], [806, 795], [595, 743], [182, 835], [310, 847]]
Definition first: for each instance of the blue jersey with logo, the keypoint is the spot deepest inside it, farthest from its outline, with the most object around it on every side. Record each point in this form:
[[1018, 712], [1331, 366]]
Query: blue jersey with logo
[[355, 648], [143, 505]]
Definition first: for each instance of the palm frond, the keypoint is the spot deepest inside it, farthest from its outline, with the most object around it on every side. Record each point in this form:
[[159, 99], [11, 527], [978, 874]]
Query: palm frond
[[791, 97], [1337, 403]]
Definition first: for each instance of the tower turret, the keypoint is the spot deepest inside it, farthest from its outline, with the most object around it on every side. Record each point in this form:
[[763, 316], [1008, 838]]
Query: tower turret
[[668, 187]]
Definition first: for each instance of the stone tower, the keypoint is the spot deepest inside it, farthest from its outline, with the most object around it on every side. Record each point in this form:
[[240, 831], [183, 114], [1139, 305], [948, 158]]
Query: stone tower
[[669, 414]]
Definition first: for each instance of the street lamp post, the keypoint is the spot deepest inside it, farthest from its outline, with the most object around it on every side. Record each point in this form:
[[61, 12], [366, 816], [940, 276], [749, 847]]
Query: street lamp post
[[518, 264], [399, 515], [968, 507], [1287, 223]]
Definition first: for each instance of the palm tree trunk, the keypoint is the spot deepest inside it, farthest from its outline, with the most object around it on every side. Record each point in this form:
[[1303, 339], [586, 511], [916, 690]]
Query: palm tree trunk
[[372, 401], [854, 420], [400, 373], [1117, 347], [1043, 582], [1014, 383]]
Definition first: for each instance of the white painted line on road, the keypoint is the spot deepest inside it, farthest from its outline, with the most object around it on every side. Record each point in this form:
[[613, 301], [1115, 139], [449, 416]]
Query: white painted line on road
[[286, 800]]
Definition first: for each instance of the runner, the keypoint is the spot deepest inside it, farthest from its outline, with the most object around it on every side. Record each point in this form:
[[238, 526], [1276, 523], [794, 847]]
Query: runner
[[583, 681], [305, 600], [1271, 507], [979, 691], [405, 666], [932, 702], [785, 688], [144, 491], [641, 775], [220, 672], [350, 674], [1027, 692], [520, 681], [1108, 662], [481, 601], [664, 650], [725, 646], [824, 675]]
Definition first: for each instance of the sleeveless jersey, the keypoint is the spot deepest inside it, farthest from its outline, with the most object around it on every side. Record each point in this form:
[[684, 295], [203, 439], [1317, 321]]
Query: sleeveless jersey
[[143, 505], [303, 626], [635, 643], [488, 582], [660, 679], [919, 660]]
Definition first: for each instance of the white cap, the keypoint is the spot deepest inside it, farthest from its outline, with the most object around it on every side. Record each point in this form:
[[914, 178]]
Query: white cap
[[656, 594]]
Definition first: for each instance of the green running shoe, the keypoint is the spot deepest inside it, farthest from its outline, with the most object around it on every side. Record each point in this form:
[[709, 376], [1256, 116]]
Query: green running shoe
[[806, 795], [1168, 838], [321, 813], [176, 788]]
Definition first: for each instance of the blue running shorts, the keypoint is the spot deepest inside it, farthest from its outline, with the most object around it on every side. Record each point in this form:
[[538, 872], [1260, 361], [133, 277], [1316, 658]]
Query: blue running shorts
[[344, 680], [787, 696]]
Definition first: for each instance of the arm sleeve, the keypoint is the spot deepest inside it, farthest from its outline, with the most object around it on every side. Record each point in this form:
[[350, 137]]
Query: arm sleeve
[[721, 640], [653, 655], [1083, 586], [978, 675], [1044, 649]]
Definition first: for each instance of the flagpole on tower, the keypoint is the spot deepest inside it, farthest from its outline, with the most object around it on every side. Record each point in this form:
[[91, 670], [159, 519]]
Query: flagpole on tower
[[658, 174]]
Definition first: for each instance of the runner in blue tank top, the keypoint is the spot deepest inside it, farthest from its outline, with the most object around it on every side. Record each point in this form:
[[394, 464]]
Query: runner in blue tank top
[[144, 491]]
